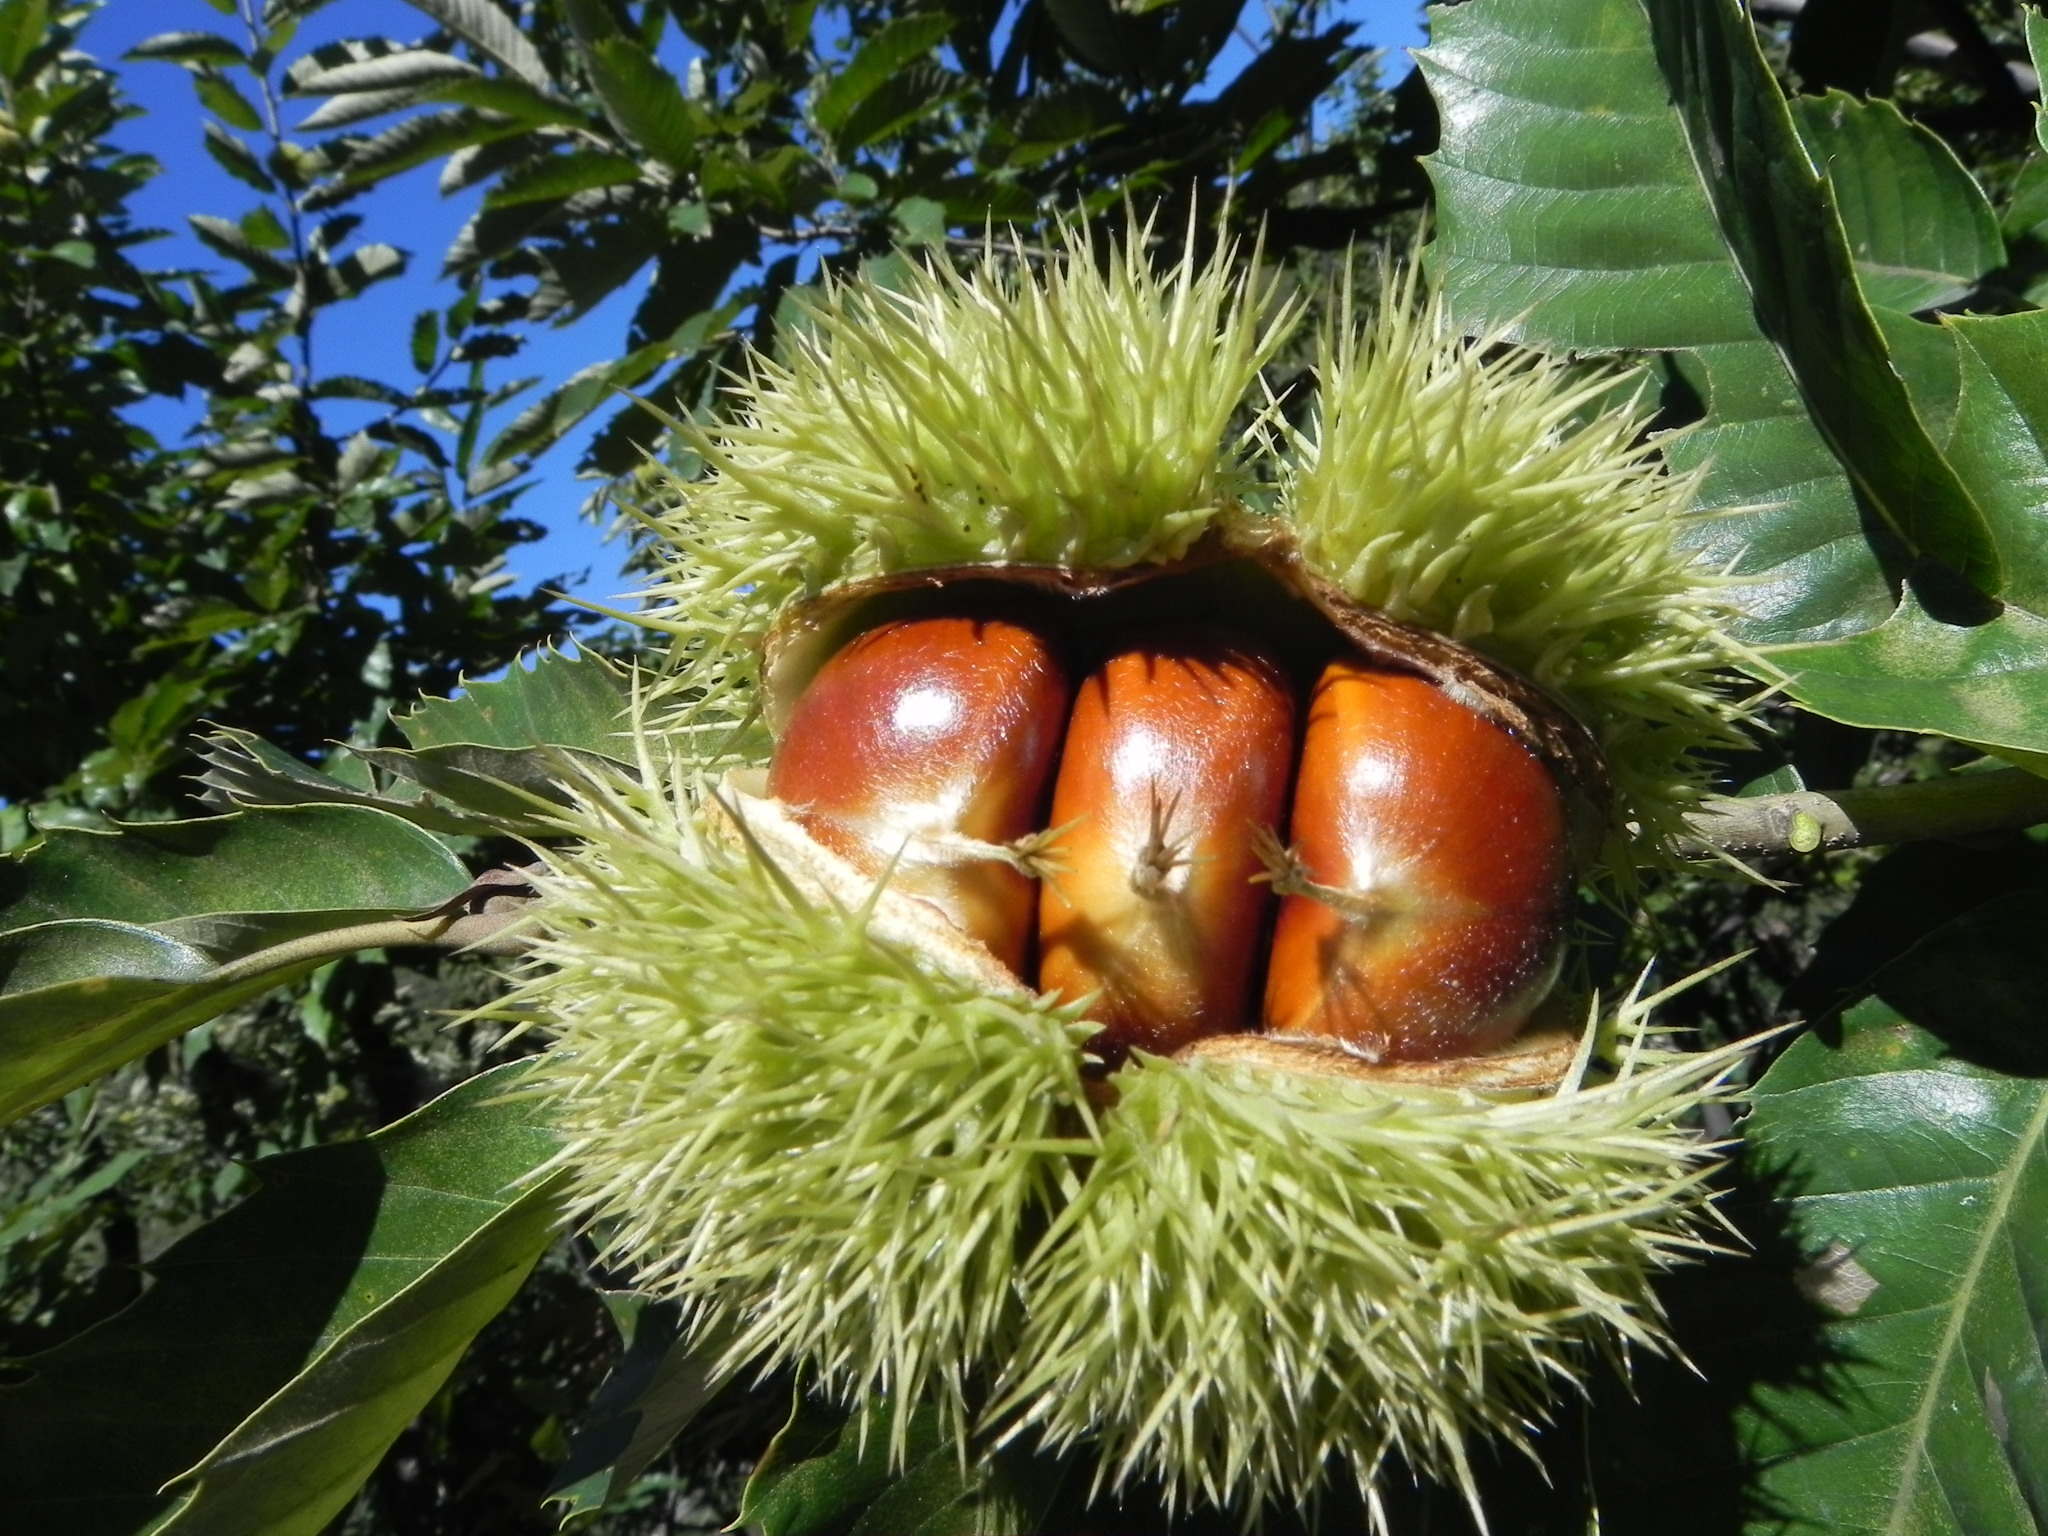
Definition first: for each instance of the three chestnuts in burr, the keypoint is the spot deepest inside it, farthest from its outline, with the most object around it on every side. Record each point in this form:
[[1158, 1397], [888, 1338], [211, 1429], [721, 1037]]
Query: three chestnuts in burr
[[1199, 822]]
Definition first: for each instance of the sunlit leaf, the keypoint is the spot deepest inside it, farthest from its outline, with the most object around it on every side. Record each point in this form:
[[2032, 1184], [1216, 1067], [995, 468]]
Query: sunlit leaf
[[553, 699], [187, 48], [1917, 1183], [231, 883], [1920, 230], [1573, 212], [496, 33]]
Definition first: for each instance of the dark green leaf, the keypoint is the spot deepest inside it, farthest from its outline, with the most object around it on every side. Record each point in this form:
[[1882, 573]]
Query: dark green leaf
[[557, 700], [237, 158], [227, 883], [557, 176], [880, 58], [1999, 440], [364, 265], [1917, 1185], [83, 997], [826, 1474], [1976, 683], [229, 240], [916, 93], [515, 789], [227, 103], [659, 1385], [1920, 230], [87, 988], [496, 33], [188, 48], [426, 339], [1977, 982], [509, 97], [23, 24], [545, 421], [1779, 222], [418, 140], [1570, 212], [2037, 51], [285, 1344], [644, 102]]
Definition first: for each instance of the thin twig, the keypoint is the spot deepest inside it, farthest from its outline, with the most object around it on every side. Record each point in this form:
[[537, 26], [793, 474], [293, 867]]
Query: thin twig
[[1964, 805]]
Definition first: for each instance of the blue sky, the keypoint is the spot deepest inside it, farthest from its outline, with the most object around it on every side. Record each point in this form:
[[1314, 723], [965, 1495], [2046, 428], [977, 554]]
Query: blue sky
[[410, 213]]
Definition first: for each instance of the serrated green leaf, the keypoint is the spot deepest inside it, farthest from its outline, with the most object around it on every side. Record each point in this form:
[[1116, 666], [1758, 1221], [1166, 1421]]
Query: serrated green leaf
[[1570, 211], [1779, 223], [2037, 52], [1973, 682], [85, 987], [547, 698], [826, 1473], [1921, 231], [1999, 439], [245, 770], [285, 1344], [430, 136], [644, 102], [544, 422], [1917, 1185], [896, 44], [514, 789], [366, 264], [240, 873], [405, 68], [229, 240], [496, 33], [659, 1385]]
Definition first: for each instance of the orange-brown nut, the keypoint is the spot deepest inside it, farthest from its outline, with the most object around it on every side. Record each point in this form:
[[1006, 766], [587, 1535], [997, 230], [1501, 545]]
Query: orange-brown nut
[[1177, 755], [921, 749], [1431, 863]]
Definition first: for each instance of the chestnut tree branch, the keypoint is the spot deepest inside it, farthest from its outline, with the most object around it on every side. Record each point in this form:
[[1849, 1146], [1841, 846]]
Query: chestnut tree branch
[[1960, 806]]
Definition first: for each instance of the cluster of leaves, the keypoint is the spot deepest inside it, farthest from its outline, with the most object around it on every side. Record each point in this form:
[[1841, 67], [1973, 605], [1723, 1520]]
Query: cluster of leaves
[[799, 133], [274, 570], [1850, 317]]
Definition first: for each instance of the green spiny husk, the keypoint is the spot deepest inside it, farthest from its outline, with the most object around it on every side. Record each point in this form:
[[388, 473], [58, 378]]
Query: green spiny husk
[[813, 1139], [864, 1163], [1265, 1271], [1515, 503]]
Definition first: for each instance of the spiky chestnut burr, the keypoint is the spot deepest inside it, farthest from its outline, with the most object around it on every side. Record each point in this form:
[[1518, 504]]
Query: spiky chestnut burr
[[824, 1119]]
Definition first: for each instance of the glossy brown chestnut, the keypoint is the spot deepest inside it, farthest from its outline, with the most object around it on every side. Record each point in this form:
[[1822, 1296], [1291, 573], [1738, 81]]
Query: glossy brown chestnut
[[926, 743], [1177, 754], [1437, 848]]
